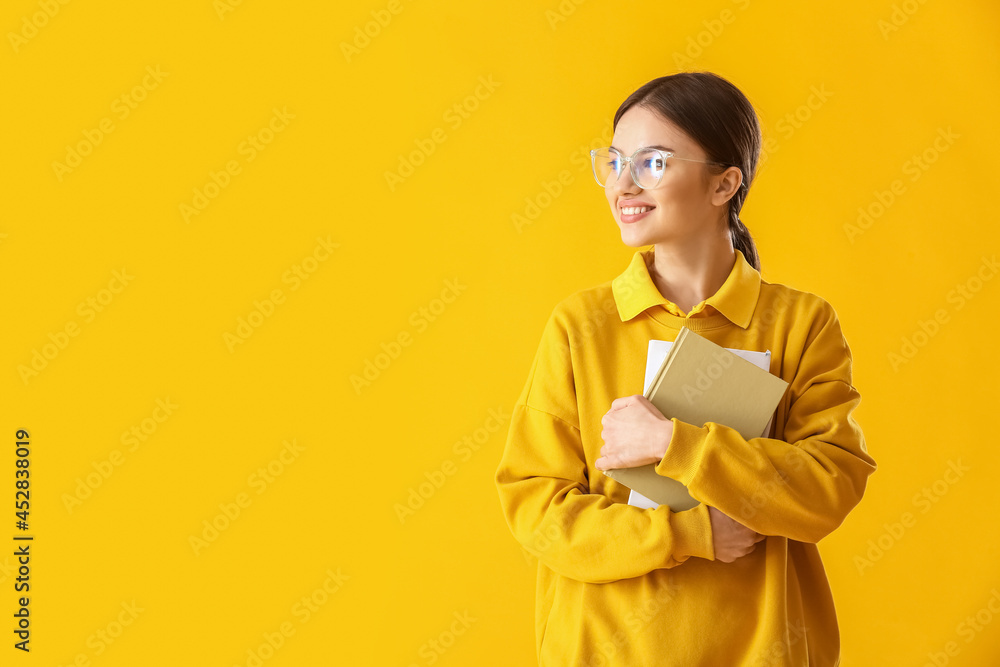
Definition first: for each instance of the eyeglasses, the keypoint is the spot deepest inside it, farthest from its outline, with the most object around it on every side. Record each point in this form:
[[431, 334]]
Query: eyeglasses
[[646, 165]]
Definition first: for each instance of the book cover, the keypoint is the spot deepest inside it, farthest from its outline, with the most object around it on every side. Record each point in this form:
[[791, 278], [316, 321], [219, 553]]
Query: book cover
[[699, 382]]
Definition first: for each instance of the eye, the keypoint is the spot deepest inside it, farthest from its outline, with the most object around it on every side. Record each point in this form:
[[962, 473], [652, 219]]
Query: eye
[[651, 160]]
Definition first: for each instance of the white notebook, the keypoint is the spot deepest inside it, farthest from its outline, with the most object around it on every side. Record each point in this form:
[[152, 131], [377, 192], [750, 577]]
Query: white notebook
[[655, 355]]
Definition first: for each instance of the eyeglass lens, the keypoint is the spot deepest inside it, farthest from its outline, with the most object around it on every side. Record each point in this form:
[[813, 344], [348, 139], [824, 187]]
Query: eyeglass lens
[[647, 167]]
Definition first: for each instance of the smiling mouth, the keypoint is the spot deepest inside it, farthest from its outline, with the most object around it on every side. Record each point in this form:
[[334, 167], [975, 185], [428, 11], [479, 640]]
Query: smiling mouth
[[634, 210]]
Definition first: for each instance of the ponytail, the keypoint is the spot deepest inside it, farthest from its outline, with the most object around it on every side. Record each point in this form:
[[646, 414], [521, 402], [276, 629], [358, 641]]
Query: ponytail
[[742, 240]]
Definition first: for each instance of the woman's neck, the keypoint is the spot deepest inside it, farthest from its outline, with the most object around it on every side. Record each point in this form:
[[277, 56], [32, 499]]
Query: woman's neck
[[690, 274]]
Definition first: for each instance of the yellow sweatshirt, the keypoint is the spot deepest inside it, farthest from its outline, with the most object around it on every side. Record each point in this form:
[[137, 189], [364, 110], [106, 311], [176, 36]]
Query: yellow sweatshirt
[[621, 585]]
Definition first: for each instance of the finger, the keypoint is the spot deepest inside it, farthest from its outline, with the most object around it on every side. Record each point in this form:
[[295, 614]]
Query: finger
[[759, 538], [620, 403]]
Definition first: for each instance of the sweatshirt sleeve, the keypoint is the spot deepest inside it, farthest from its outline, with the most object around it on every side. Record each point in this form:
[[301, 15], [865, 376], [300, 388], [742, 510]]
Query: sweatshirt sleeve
[[544, 489], [801, 489]]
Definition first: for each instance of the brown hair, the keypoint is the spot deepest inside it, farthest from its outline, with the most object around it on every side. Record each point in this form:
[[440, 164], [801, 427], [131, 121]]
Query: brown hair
[[720, 118]]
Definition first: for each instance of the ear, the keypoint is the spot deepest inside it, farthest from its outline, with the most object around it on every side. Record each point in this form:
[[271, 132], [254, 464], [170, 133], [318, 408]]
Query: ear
[[727, 184]]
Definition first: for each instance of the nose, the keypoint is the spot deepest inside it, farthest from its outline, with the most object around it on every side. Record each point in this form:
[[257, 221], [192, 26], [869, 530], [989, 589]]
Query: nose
[[624, 183]]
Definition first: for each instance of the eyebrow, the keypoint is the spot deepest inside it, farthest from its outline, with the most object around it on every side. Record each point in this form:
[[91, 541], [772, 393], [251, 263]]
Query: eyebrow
[[662, 148]]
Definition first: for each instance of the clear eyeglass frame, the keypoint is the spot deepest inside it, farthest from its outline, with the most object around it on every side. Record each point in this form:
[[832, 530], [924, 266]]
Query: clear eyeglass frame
[[665, 156]]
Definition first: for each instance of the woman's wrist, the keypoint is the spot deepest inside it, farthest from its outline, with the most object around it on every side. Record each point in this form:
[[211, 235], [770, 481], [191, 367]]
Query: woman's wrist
[[663, 442]]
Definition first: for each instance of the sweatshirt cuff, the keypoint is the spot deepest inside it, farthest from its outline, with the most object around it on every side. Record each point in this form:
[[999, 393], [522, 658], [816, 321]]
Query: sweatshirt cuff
[[692, 530], [684, 452]]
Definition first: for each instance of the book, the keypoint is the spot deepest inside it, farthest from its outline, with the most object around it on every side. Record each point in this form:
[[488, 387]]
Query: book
[[657, 352], [700, 382]]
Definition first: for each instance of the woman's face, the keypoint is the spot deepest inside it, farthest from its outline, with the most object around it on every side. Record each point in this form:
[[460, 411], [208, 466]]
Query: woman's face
[[683, 205]]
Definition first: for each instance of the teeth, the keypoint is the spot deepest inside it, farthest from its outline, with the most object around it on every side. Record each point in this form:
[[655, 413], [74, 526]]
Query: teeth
[[632, 210]]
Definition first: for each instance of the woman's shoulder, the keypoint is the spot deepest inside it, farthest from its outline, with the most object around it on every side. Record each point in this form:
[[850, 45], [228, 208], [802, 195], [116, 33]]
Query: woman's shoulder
[[806, 317], [583, 310], [583, 304], [782, 297]]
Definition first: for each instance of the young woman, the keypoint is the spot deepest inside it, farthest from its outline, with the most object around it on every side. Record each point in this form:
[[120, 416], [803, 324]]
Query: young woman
[[737, 580]]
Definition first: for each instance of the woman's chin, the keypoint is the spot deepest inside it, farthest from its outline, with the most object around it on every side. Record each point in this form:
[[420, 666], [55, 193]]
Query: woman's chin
[[633, 237]]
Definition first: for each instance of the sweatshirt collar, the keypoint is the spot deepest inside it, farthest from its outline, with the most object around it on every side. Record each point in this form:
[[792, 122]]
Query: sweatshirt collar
[[634, 291]]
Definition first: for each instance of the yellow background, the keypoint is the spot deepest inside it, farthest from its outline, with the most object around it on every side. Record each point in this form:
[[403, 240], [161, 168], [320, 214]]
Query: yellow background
[[847, 94]]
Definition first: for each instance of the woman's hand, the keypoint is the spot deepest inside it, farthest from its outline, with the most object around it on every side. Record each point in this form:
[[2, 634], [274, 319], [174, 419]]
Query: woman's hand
[[635, 433], [732, 539]]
